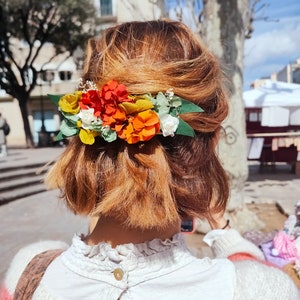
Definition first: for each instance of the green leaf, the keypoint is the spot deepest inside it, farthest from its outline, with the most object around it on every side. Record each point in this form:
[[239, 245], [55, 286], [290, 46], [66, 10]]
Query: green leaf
[[59, 136], [162, 105], [72, 119], [162, 99], [163, 111], [96, 127], [189, 107], [68, 130], [176, 101], [55, 98], [108, 134], [185, 129], [153, 100], [174, 112]]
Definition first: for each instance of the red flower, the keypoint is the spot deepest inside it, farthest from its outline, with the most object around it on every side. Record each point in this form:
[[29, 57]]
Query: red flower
[[112, 95], [91, 99]]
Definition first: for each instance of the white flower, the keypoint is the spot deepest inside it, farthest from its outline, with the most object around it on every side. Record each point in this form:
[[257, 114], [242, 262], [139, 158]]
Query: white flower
[[169, 94], [168, 125], [87, 118]]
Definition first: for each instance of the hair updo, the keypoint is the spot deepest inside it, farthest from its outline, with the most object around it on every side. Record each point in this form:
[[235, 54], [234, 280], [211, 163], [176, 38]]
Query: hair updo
[[151, 184]]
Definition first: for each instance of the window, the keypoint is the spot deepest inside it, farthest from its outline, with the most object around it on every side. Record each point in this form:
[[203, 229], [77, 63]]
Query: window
[[65, 75], [106, 7], [47, 75], [253, 115], [296, 75]]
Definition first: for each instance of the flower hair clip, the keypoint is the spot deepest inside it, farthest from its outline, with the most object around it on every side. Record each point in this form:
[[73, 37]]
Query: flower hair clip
[[112, 113]]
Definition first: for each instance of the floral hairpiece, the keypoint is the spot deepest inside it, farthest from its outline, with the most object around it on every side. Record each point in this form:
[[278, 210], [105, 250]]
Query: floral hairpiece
[[111, 113]]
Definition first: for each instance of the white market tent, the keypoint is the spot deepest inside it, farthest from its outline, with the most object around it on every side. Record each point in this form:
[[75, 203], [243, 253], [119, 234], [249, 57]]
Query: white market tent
[[279, 101]]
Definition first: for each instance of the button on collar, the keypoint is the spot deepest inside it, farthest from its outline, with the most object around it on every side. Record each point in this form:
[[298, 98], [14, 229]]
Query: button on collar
[[119, 274]]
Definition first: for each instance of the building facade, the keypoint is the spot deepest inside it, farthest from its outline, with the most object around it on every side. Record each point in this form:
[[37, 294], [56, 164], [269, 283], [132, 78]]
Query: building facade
[[57, 77], [289, 73], [62, 75]]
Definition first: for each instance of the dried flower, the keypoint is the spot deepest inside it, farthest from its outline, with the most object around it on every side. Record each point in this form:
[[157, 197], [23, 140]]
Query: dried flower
[[111, 113]]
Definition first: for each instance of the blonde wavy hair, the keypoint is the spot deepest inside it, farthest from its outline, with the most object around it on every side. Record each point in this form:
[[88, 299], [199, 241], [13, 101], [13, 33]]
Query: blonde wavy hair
[[151, 184]]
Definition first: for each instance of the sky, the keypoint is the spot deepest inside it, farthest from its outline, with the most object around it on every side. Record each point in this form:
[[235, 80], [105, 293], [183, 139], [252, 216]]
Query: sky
[[275, 41]]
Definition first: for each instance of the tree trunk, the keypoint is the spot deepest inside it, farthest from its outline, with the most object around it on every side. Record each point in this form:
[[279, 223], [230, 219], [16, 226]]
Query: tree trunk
[[224, 33], [24, 112]]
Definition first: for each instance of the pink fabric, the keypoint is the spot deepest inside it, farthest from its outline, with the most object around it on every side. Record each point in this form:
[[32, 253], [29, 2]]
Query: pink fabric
[[4, 294], [285, 244], [275, 260]]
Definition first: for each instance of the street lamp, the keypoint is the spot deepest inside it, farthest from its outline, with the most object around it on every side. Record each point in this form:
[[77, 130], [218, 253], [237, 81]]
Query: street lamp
[[43, 128]]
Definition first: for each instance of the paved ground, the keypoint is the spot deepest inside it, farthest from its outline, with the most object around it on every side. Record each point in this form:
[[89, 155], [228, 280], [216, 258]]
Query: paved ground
[[38, 217], [19, 157], [273, 185], [43, 216]]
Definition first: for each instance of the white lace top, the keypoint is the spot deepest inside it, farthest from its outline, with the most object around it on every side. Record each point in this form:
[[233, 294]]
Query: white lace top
[[152, 270], [156, 270]]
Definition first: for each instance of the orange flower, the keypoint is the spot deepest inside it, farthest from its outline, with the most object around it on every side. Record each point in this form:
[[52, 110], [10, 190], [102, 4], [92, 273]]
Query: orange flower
[[140, 128], [118, 117]]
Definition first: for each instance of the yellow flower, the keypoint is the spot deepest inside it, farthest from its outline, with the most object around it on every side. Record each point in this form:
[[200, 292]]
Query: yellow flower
[[88, 136], [141, 103], [69, 103]]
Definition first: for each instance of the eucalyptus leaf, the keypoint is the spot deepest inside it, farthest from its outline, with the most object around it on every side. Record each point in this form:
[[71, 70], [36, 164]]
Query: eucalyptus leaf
[[176, 101], [67, 130], [95, 127], [152, 99], [108, 134], [71, 118], [162, 106], [163, 111], [162, 100]]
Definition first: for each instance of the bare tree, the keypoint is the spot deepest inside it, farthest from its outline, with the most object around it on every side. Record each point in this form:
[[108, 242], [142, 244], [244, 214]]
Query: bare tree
[[65, 24], [224, 25]]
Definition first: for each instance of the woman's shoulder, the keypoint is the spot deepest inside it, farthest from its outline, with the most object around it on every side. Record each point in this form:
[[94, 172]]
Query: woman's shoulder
[[256, 280], [22, 259]]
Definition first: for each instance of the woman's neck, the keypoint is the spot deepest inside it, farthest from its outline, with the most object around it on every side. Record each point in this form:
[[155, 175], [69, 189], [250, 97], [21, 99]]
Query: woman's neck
[[110, 231]]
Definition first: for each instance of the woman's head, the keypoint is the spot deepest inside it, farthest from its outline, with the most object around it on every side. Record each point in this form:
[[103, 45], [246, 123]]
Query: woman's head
[[150, 184]]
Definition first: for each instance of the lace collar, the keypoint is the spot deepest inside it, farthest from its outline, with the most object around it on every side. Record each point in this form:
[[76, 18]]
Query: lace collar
[[96, 260]]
